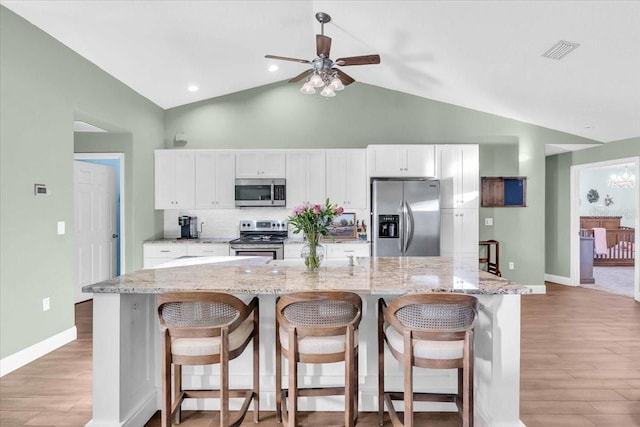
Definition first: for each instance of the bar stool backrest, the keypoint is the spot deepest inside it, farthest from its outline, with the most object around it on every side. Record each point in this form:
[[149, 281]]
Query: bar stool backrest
[[437, 317], [320, 313], [200, 314]]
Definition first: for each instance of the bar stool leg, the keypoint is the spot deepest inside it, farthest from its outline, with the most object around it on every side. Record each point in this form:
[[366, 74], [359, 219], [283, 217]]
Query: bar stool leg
[[380, 365], [356, 386], [224, 377], [293, 379], [256, 368], [278, 375], [348, 379], [177, 389], [408, 380], [166, 383]]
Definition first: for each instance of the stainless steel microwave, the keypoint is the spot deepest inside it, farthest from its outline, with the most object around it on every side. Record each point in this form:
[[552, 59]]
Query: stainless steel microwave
[[260, 192]]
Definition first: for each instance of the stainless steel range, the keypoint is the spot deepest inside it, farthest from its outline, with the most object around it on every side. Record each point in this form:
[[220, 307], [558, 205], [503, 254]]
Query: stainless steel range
[[260, 238]]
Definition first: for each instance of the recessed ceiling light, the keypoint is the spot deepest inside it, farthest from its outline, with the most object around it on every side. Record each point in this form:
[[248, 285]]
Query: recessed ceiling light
[[273, 68], [193, 88]]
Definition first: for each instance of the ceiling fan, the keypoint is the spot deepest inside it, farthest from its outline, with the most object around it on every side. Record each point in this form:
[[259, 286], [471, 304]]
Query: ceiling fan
[[323, 71]]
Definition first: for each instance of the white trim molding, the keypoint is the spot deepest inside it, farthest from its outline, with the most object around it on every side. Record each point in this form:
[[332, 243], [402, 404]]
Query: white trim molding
[[538, 289], [561, 280], [31, 353]]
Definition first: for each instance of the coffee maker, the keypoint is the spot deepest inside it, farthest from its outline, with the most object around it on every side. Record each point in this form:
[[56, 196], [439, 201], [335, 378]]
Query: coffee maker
[[188, 227]]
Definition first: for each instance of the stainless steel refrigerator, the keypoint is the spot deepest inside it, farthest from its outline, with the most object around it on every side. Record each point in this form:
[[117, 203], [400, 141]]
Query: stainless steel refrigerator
[[405, 217]]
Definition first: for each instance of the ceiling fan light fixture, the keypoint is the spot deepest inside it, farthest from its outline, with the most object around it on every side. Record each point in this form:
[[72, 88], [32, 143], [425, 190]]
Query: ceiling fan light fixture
[[327, 92], [322, 69], [307, 89], [316, 81], [336, 84]]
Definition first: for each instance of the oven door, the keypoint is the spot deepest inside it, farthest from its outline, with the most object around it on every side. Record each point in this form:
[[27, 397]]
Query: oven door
[[267, 250]]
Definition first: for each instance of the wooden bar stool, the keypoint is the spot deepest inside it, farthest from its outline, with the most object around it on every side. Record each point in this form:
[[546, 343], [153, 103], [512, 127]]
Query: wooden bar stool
[[433, 331], [317, 327], [203, 328]]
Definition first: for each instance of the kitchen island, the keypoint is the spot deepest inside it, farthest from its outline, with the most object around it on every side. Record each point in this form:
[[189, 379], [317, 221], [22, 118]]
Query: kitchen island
[[127, 339]]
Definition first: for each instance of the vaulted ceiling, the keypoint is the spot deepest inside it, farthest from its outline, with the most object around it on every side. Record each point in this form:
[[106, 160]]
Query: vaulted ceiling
[[485, 55]]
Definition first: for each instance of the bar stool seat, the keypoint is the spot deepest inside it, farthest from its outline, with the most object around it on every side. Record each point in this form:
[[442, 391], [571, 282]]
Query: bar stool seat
[[204, 328], [316, 345], [432, 331], [317, 327], [211, 346]]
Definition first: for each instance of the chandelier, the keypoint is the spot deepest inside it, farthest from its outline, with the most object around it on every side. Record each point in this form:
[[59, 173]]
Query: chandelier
[[323, 75], [624, 180]]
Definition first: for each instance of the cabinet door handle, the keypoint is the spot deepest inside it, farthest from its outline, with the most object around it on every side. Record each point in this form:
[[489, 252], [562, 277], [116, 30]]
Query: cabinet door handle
[[165, 250]]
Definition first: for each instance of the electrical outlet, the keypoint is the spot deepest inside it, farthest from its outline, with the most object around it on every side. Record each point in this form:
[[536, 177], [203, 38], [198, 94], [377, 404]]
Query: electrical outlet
[[488, 221], [512, 265], [45, 304]]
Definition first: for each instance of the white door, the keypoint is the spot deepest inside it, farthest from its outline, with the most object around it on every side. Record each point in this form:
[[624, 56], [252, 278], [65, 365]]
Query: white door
[[94, 207]]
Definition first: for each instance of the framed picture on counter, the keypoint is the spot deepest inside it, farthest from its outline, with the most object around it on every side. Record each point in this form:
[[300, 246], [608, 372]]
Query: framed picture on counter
[[343, 227]]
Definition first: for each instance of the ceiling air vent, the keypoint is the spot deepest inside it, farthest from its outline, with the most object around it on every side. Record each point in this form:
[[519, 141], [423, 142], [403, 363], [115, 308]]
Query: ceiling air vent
[[560, 50]]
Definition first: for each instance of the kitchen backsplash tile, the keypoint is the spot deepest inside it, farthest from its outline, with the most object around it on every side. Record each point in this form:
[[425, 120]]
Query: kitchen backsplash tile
[[223, 223]]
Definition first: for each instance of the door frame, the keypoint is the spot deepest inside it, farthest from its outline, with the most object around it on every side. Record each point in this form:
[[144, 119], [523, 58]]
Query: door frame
[[574, 230], [119, 157]]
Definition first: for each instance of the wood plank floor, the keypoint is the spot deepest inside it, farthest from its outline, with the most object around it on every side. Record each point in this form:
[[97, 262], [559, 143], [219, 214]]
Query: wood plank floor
[[580, 367]]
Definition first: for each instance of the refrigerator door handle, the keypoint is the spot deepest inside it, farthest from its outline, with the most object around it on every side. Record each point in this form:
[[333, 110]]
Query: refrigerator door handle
[[403, 227], [409, 226]]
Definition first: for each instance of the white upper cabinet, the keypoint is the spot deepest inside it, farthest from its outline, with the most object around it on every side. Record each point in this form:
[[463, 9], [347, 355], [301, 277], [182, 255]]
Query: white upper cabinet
[[401, 160], [215, 179], [174, 174], [458, 172], [347, 178], [260, 164], [305, 177]]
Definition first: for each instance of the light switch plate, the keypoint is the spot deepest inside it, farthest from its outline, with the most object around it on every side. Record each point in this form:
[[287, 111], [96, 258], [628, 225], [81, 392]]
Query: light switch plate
[[488, 221], [61, 227]]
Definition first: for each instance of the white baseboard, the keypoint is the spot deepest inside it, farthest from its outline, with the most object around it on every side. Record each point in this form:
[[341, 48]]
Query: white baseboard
[[538, 289], [561, 280], [31, 353]]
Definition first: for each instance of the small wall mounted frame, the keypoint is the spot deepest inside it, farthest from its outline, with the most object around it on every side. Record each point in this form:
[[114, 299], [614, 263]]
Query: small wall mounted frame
[[504, 192]]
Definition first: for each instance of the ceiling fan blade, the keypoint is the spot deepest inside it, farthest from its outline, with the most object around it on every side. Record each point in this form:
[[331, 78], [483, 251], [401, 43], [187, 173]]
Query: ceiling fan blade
[[301, 76], [344, 77], [323, 45], [284, 58], [358, 60]]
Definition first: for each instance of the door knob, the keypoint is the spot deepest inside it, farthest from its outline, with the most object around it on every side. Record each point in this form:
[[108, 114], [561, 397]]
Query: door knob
[[114, 235]]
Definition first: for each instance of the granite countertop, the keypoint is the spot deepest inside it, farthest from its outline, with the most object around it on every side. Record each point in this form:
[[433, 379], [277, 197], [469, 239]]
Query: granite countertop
[[195, 241], [300, 240], [290, 240], [369, 275]]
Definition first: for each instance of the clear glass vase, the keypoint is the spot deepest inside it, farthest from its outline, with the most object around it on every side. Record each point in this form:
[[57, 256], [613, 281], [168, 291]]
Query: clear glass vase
[[312, 253]]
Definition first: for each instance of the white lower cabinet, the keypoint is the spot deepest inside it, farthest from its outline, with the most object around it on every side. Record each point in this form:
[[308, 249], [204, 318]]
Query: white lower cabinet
[[331, 250], [156, 254], [292, 250], [208, 249], [342, 250]]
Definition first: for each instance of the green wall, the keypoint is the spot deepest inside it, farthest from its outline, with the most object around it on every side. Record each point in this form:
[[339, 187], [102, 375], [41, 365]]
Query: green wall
[[278, 116], [557, 218], [44, 86]]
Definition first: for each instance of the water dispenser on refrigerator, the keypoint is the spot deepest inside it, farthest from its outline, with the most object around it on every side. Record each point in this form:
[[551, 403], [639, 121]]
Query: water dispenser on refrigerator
[[389, 226]]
